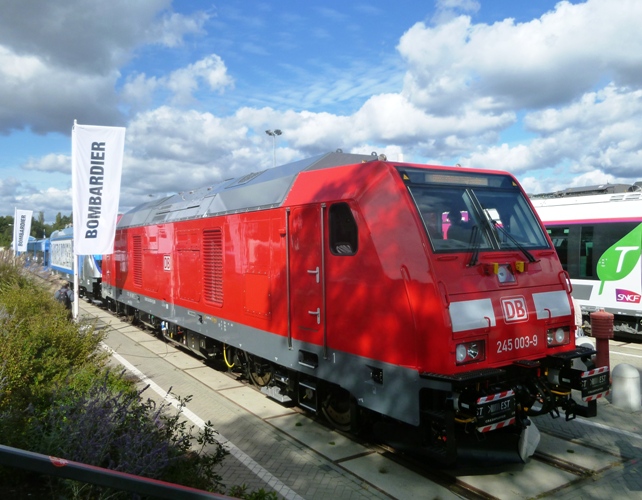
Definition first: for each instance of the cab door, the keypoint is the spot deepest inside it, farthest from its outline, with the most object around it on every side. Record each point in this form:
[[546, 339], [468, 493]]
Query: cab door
[[307, 308]]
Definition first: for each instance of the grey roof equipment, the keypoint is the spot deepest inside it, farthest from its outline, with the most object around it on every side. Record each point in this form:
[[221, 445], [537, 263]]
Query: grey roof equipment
[[255, 191]]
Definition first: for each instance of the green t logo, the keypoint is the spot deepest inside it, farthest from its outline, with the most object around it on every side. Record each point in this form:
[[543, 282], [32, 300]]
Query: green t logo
[[620, 259]]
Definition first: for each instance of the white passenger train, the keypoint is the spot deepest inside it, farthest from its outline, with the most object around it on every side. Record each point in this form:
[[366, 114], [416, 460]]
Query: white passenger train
[[62, 259], [597, 232]]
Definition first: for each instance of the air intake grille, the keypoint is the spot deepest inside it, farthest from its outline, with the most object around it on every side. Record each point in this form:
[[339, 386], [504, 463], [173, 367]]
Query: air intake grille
[[213, 266], [138, 261]]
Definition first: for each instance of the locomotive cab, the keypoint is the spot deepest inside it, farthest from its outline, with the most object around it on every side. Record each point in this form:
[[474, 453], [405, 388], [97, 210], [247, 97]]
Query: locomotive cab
[[507, 316]]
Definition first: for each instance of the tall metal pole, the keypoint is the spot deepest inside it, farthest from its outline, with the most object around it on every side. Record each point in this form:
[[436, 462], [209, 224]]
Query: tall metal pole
[[273, 134]]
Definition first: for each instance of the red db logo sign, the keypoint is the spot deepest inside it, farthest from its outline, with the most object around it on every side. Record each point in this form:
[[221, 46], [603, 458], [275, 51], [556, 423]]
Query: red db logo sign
[[514, 309]]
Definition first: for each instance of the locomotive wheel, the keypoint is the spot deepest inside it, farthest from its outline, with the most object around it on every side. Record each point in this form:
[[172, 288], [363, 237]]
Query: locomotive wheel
[[131, 315], [259, 371], [336, 408]]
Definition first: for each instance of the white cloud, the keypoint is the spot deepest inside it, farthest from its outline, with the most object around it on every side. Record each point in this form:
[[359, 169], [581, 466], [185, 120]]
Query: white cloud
[[448, 9], [47, 98], [508, 65], [138, 90], [92, 35], [60, 61], [210, 70], [50, 201], [597, 138], [173, 27], [189, 136], [19, 69], [50, 163], [208, 73], [9, 187]]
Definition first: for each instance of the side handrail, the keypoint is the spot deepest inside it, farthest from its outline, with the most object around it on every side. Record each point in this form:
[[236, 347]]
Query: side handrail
[[100, 476]]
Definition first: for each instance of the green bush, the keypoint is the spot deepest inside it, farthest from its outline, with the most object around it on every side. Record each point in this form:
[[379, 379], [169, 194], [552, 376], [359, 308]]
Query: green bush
[[38, 345], [58, 398], [123, 432]]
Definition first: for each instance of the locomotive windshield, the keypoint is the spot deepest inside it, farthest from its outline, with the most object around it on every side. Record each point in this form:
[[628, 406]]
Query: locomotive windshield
[[474, 211]]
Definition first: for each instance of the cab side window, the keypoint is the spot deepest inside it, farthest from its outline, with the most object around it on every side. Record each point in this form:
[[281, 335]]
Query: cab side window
[[343, 230]]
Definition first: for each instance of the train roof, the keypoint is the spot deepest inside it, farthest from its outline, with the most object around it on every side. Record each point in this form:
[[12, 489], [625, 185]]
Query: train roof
[[255, 191], [592, 190], [617, 197], [63, 234]]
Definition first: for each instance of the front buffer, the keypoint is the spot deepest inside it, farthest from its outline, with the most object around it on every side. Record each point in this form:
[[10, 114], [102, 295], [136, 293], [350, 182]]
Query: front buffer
[[483, 417]]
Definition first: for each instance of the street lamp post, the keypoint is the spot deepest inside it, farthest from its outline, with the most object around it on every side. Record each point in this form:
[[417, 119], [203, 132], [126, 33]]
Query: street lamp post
[[273, 134]]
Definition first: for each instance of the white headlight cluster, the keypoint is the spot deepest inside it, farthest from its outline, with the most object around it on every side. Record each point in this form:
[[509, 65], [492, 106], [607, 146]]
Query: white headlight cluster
[[469, 352], [558, 336]]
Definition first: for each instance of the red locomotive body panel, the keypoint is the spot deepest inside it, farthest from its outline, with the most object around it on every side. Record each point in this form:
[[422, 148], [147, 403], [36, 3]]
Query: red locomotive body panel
[[340, 277]]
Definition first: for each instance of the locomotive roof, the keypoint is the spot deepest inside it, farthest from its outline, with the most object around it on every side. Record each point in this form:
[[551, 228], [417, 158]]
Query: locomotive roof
[[255, 191]]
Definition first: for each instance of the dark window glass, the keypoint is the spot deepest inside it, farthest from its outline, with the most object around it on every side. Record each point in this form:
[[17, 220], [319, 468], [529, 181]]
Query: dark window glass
[[587, 268], [559, 236], [343, 230], [482, 212]]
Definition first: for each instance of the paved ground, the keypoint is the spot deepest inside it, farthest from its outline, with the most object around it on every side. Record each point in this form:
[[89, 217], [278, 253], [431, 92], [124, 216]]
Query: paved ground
[[616, 431], [261, 456]]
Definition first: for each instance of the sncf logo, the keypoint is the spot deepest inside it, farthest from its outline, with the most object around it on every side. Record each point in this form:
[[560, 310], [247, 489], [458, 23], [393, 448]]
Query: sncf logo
[[514, 309], [627, 296]]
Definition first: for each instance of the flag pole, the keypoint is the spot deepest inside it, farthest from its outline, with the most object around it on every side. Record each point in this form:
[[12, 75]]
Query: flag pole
[[74, 304], [15, 234]]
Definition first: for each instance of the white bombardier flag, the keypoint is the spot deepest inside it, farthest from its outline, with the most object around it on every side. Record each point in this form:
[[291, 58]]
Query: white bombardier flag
[[21, 229], [96, 167]]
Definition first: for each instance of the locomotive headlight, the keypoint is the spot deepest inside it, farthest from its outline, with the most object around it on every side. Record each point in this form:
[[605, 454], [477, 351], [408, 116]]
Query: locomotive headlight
[[469, 352], [504, 273], [558, 336]]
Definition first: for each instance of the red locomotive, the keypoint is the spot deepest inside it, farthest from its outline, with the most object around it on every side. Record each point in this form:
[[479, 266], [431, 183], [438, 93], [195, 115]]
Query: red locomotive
[[426, 302]]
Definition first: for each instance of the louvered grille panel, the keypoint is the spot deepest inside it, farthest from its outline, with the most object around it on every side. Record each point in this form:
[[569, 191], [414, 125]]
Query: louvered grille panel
[[213, 266], [138, 261]]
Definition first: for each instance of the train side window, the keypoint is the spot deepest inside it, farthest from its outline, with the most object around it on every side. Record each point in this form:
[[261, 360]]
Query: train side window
[[559, 236], [343, 230], [586, 252]]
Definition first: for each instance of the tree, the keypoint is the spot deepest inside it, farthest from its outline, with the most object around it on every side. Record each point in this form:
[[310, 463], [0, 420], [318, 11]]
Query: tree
[[39, 229], [6, 231], [62, 221], [38, 226]]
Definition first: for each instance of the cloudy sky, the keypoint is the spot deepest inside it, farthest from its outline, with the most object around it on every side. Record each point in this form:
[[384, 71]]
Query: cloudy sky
[[550, 91]]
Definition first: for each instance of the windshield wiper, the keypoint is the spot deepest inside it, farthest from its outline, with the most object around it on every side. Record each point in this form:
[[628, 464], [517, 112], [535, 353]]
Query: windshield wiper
[[518, 245], [475, 244]]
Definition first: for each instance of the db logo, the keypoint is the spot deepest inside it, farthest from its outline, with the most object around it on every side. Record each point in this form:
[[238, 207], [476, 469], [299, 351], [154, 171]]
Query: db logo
[[514, 309]]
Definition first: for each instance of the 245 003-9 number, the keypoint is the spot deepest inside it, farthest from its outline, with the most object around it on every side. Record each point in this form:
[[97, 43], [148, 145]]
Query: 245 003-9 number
[[517, 343]]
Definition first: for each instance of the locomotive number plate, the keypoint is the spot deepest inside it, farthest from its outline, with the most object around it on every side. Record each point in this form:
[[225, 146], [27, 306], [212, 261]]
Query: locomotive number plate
[[595, 382], [517, 343]]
